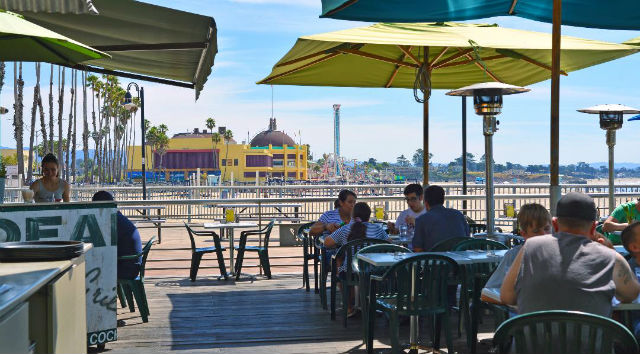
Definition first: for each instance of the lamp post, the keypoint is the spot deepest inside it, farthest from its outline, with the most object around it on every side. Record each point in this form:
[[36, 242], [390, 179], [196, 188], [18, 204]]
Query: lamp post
[[487, 101], [611, 119], [130, 106]]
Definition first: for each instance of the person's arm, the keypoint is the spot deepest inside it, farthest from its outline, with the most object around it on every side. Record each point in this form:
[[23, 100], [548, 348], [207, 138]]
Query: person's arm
[[627, 287], [419, 236], [508, 294], [613, 224], [317, 228], [331, 241], [35, 186], [66, 192]]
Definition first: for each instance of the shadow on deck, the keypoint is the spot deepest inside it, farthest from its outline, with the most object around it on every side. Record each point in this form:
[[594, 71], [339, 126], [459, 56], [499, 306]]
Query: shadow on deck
[[263, 316]]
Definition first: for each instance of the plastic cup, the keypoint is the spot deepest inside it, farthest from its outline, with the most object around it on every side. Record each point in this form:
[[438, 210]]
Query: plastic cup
[[27, 195]]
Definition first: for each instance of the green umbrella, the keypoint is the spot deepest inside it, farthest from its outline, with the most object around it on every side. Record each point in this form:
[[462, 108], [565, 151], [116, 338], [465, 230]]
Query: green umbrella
[[390, 55], [21, 40]]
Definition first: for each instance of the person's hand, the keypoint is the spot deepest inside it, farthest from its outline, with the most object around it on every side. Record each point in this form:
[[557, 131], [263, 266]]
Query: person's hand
[[391, 226], [410, 220], [332, 227], [603, 240]]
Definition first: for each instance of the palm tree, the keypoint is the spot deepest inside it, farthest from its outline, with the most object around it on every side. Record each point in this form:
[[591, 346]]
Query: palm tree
[[69, 127], [85, 128], [18, 122], [36, 95], [215, 138], [73, 136], [227, 136], [211, 123], [50, 112], [61, 75]]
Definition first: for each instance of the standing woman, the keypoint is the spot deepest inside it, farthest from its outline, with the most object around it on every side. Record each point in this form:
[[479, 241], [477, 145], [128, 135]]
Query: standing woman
[[50, 188]]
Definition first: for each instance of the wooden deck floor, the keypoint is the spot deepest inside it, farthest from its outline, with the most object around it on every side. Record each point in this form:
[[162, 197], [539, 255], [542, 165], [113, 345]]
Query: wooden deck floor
[[264, 316]]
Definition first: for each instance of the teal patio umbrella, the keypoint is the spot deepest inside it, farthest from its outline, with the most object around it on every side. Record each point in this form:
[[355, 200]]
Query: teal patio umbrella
[[614, 14]]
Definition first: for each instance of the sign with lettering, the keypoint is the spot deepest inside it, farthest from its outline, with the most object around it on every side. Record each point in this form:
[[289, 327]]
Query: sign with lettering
[[88, 222]]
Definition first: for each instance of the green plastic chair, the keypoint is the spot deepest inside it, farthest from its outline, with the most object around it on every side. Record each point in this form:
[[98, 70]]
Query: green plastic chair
[[448, 244], [391, 293], [476, 228], [347, 253], [134, 288], [566, 332], [308, 253], [263, 251], [471, 270], [365, 270], [197, 253]]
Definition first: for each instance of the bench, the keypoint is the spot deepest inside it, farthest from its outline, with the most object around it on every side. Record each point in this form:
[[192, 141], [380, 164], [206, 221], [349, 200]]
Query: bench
[[157, 222]]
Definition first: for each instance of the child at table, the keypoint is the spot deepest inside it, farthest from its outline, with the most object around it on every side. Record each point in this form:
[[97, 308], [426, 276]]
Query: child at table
[[534, 220], [631, 241]]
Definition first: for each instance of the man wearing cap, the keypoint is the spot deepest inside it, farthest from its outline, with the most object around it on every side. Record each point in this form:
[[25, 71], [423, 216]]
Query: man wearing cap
[[569, 270]]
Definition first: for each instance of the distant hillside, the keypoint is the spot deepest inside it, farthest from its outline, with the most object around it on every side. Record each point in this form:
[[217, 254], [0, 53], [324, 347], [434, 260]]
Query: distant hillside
[[617, 165]]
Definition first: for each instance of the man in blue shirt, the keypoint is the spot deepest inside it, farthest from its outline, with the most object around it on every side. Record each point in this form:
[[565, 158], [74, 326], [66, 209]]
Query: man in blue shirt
[[439, 223], [128, 241]]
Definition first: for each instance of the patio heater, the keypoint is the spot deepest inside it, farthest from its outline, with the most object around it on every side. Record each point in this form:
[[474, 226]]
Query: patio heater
[[610, 120], [487, 101], [130, 106]]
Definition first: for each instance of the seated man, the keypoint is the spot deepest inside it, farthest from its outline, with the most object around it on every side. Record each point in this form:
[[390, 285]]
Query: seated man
[[569, 270], [413, 196], [438, 223], [631, 241], [621, 217], [534, 220], [128, 242]]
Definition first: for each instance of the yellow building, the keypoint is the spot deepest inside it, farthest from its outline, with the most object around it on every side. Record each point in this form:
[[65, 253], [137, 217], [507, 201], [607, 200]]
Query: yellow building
[[270, 154]]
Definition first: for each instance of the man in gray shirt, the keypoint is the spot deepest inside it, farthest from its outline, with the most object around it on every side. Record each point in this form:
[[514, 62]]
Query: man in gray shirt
[[569, 270], [438, 223]]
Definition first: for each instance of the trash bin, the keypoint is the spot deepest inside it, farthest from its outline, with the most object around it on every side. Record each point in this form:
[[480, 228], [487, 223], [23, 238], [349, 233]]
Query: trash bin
[[288, 234]]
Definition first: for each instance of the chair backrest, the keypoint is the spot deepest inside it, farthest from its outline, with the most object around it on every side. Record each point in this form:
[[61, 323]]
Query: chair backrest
[[429, 273], [476, 228], [349, 249], [480, 244], [556, 332], [302, 230], [267, 232], [193, 241], [145, 253], [448, 244]]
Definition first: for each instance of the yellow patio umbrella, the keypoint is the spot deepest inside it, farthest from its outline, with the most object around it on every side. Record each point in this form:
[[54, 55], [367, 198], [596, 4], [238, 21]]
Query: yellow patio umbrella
[[393, 55]]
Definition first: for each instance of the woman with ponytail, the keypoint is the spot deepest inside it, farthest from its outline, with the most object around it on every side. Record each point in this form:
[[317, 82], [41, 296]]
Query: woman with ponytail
[[358, 228]]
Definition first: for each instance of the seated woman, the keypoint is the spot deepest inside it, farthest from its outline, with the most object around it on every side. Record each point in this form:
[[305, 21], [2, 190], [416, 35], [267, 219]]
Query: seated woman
[[358, 228], [50, 188], [331, 220]]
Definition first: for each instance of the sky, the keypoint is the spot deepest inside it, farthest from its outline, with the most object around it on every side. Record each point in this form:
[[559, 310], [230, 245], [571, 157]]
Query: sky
[[380, 123]]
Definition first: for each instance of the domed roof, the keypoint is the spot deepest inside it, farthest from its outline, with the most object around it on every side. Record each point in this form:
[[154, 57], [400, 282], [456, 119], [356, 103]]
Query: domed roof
[[272, 136]]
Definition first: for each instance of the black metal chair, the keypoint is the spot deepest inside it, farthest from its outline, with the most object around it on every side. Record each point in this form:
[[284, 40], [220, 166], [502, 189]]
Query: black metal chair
[[263, 251], [197, 253], [308, 253], [448, 244]]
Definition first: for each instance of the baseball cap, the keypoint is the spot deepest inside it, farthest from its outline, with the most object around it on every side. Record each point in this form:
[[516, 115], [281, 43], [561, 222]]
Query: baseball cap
[[577, 206]]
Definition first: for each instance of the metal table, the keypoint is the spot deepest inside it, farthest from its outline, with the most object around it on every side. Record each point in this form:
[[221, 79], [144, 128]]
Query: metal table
[[228, 228], [145, 215]]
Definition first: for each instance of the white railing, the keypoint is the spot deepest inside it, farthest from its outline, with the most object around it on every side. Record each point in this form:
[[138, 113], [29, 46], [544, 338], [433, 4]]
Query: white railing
[[200, 202]]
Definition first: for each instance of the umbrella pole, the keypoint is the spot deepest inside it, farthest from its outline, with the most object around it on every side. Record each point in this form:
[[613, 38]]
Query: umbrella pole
[[611, 143], [488, 128], [425, 126], [554, 187], [464, 153]]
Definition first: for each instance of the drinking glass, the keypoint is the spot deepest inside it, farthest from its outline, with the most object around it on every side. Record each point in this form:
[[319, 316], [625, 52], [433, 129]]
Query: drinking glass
[[491, 253], [403, 232], [397, 255]]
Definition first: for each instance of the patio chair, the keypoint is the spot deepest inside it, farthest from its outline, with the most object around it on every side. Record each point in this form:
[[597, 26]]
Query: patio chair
[[346, 252], [472, 271], [197, 253], [308, 253], [566, 332], [365, 270], [392, 293], [448, 244], [477, 228], [134, 288], [263, 251]]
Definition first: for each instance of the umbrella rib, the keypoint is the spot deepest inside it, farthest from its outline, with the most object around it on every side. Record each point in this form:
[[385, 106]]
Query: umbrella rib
[[397, 68], [55, 52], [458, 63], [378, 57], [513, 7], [454, 57], [407, 52], [435, 60], [517, 55], [317, 61], [313, 55]]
